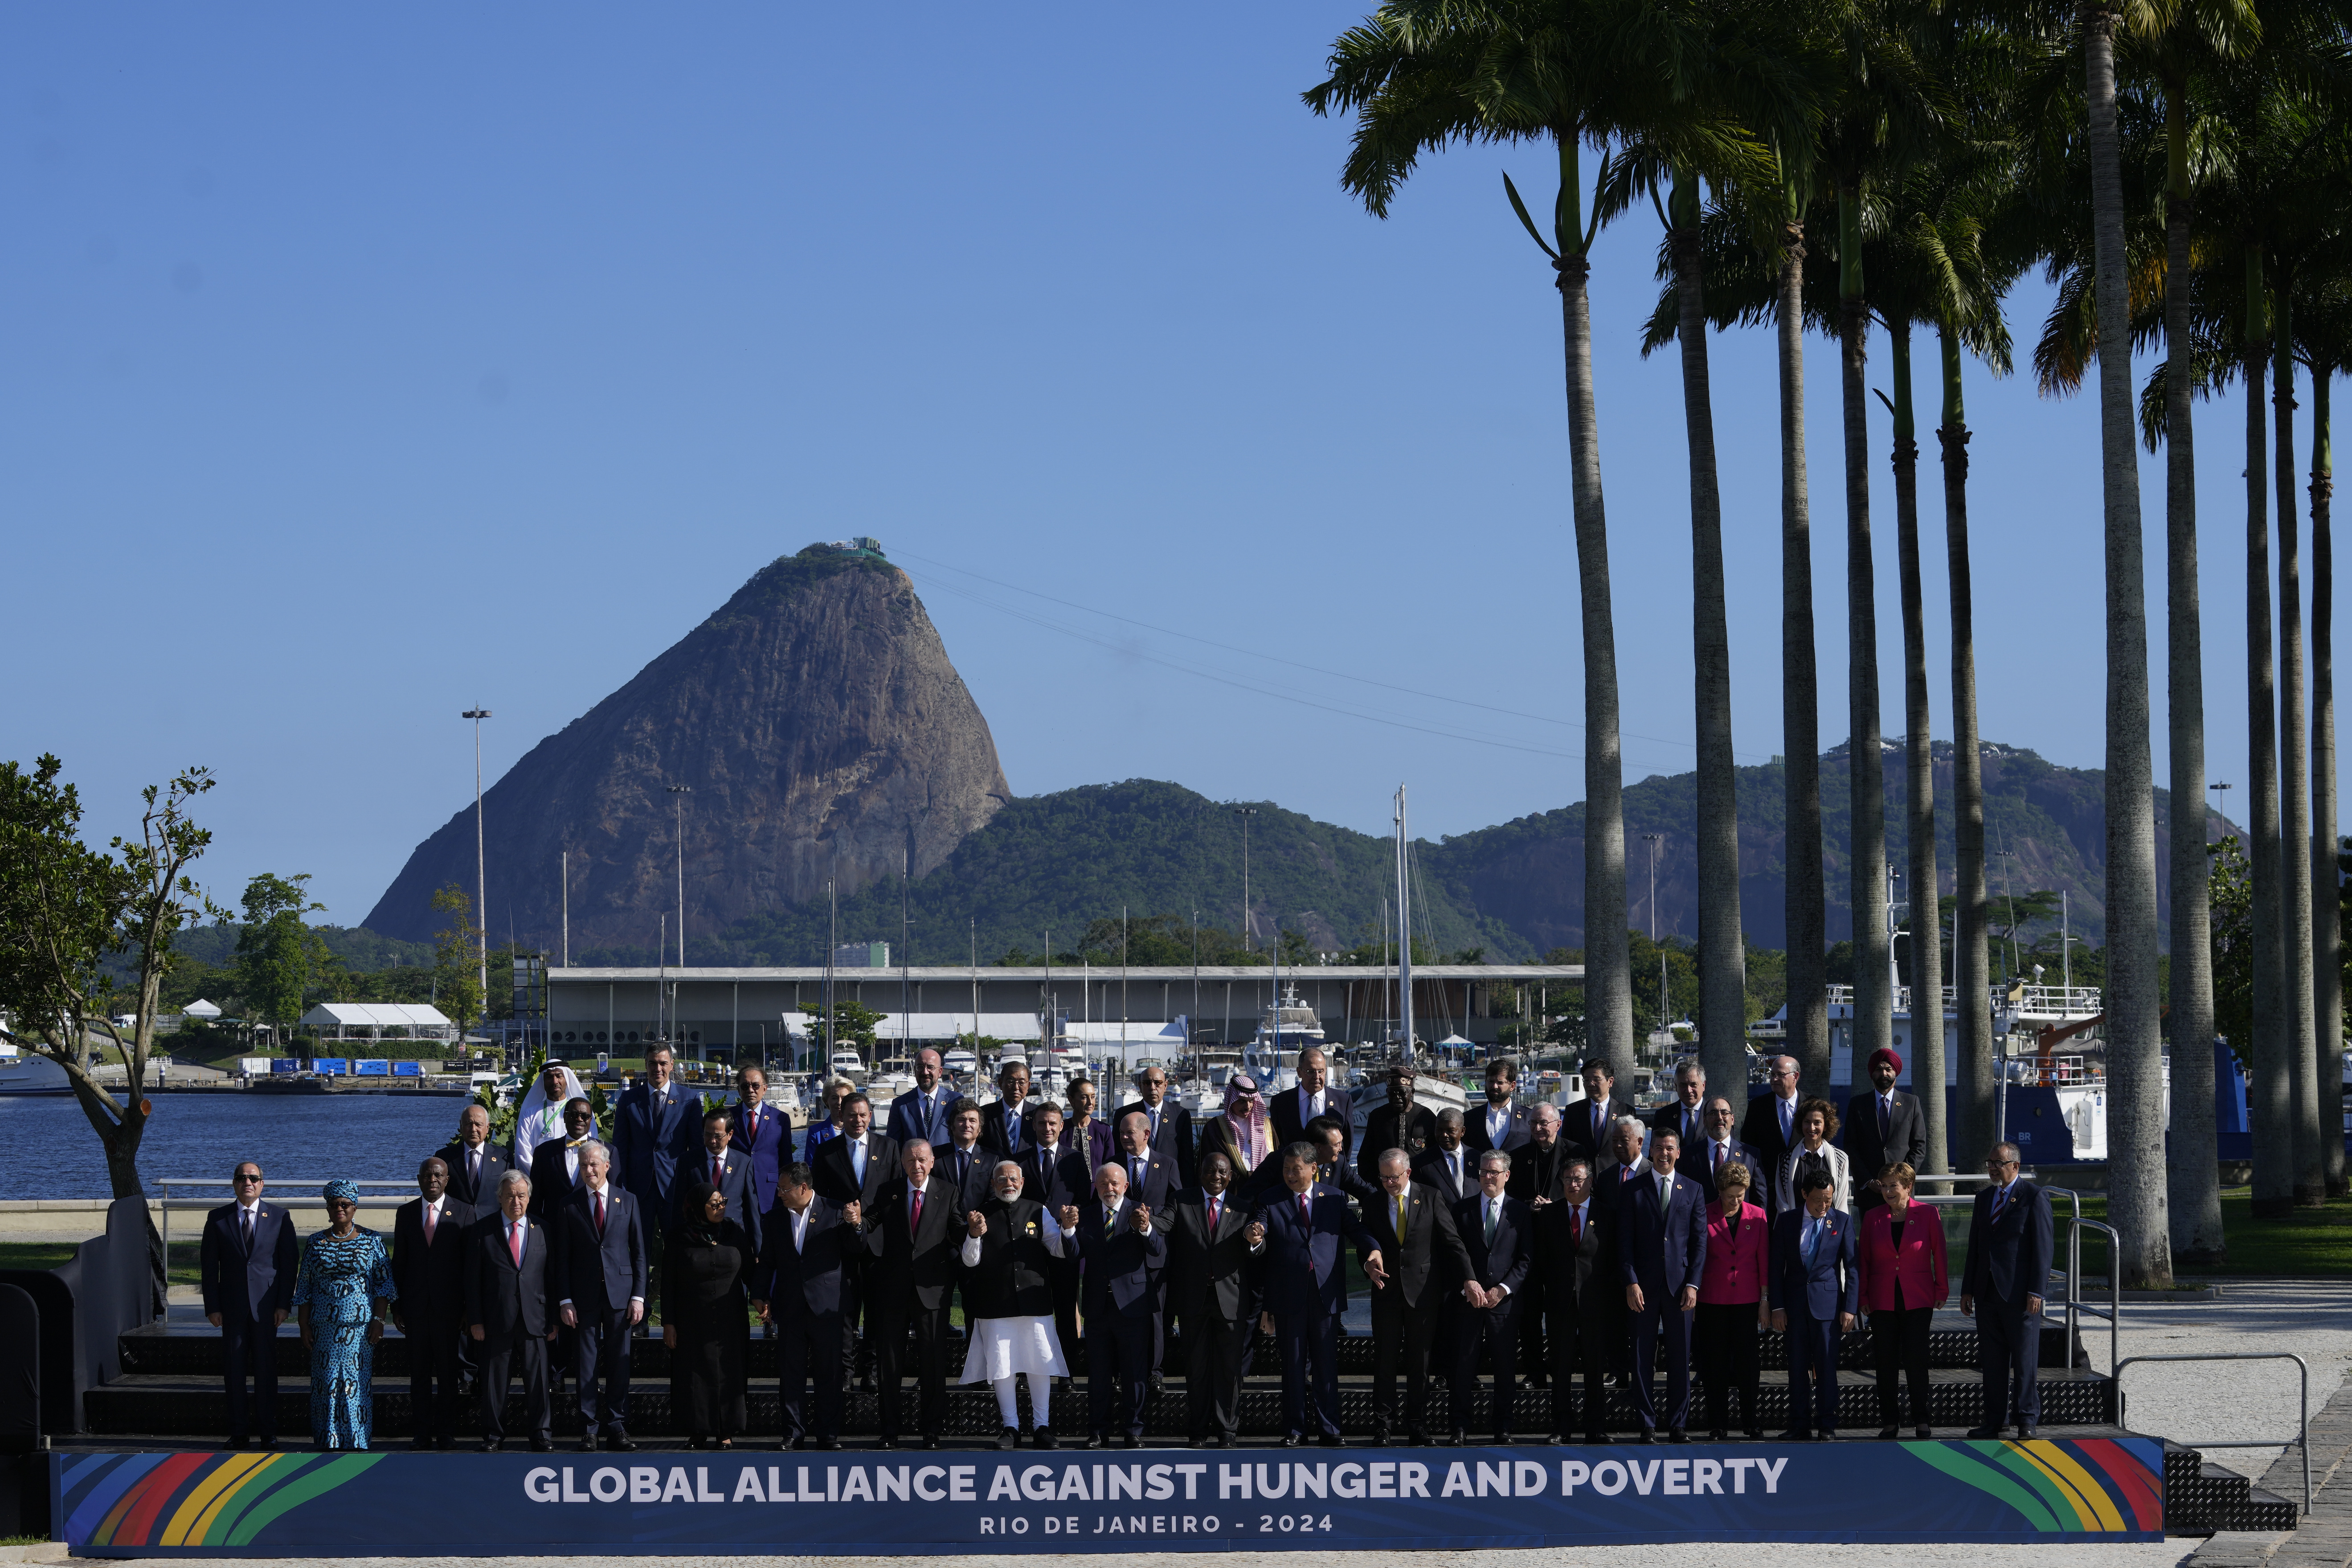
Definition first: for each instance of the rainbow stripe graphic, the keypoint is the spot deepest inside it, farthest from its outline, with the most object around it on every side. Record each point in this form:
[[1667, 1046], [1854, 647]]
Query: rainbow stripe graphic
[[196, 1499], [2091, 1486]]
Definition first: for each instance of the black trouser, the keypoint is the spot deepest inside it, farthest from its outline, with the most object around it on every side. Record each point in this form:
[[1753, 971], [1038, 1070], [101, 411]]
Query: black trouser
[[433, 1344], [1062, 1274], [1498, 1327], [1812, 1370], [1402, 1332], [807, 1346], [1898, 1344], [600, 1369], [1583, 1341], [2009, 1355], [1216, 1359], [1532, 1315], [525, 1356], [1308, 1343], [888, 1326], [247, 1345], [1662, 1310], [1119, 1368], [1725, 1341]]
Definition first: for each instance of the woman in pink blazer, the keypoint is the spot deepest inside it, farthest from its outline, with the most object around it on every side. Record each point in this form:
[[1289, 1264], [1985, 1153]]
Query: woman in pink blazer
[[1731, 1301], [1902, 1282]]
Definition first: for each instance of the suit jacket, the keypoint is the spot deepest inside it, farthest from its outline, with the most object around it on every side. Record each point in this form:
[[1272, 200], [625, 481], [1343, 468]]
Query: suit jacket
[[972, 1192], [1610, 1184], [1506, 1259], [1210, 1274], [732, 1177], [1122, 1271], [1433, 1172], [1761, 1129], [1172, 1141], [550, 1179], [1906, 1139], [1536, 1171], [1290, 1126], [2008, 1258], [1414, 1132], [1475, 1136], [1302, 1266], [913, 1263], [1576, 1125], [1691, 1128], [1919, 1264], [598, 1274], [258, 1284], [1785, 1195], [1430, 1261], [652, 1136], [1577, 1263], [1830, 1283], [992, 1134], [1217, 1138], [1738, 1262], [1158, 1184], [510, 1303], [813, 1279], [767, 1146], [431, 1279], [1698, 1163], [836, 1179], [906, 1121], [1011, 1278], [1662, 1253], [1051, 1177], [1097, 1143], [483, 1195]]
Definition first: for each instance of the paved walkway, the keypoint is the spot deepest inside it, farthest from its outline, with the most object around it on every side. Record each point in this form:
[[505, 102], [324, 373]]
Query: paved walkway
[[2323, 1539]]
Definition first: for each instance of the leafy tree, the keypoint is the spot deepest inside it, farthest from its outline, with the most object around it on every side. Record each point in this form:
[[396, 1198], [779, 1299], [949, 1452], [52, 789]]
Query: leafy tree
[[2232, 899], [279, 960], [66, 908], [853, 1025], [457, 959]]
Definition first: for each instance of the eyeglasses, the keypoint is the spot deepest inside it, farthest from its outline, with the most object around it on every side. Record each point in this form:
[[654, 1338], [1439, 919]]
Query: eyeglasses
[[243, 1176], [1722, 1114]]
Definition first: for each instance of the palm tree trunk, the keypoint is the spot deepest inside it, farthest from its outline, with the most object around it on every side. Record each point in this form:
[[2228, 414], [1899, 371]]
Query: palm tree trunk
[[2294, 778], [1874, 985], [1926, 1062], [1808, 1031], [2326, 939], [1608, 981], [2268, 1094], [2193, 1173], [1972, 1120], [2136, 1164], [1722, 959]]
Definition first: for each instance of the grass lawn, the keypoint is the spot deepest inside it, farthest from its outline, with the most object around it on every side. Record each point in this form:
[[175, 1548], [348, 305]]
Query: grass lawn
[[2309, 1244]]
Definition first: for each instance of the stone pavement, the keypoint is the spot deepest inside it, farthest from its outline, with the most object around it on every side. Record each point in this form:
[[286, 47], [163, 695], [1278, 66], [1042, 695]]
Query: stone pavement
[[2323, 1539]]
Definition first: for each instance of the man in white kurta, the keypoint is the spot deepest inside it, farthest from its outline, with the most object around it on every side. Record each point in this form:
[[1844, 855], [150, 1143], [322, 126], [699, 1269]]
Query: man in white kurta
[[1006, 1243]]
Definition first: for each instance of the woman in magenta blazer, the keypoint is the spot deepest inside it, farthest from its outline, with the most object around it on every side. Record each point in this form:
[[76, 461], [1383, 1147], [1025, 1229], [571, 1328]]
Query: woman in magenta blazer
[[1731, 1302], [1903, 1283]]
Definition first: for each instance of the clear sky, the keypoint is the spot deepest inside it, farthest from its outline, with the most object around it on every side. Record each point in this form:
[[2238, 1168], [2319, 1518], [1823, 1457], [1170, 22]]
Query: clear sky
[[363, 365]]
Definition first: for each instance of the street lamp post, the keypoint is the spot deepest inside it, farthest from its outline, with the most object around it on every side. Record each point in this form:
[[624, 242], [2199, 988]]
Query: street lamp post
[[1654, 840], [481, 880], [1245, 813]]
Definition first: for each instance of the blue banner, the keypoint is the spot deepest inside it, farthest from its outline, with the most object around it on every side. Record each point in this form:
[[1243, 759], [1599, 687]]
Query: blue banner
[[330, 1505]]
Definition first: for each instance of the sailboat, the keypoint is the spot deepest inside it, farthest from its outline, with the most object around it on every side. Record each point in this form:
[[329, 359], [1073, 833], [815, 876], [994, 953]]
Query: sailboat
[[1433, 1090]]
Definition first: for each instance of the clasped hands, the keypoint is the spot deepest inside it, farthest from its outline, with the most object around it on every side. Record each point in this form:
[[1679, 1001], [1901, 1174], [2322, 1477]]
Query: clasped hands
[[1688, 1302]]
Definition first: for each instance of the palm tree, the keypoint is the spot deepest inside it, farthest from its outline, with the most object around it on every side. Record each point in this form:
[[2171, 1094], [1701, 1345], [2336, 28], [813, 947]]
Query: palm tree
[[2324, 335], [2294, 824]]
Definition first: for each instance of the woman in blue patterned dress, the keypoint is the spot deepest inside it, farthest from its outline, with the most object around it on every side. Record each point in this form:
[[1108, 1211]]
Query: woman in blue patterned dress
[[338, 1294]]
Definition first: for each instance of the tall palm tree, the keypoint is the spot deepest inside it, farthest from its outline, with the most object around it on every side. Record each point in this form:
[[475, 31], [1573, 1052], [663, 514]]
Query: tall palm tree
[[2294, 816], [2324, 330]]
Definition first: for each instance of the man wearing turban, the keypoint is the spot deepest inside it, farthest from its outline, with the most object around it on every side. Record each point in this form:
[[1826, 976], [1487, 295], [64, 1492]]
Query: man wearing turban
[[1883, 1127]]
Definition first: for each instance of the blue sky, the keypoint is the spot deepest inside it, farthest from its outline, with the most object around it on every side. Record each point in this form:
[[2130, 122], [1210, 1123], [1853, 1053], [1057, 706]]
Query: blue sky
[[361, 366]]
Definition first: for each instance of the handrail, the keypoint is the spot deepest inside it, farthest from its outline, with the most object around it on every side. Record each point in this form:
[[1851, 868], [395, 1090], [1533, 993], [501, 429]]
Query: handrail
[[2302, 1405], [165, 1202], [2114, 1312]]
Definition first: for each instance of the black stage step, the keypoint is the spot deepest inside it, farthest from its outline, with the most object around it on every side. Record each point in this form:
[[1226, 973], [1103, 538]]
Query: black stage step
[[2200, 1498]]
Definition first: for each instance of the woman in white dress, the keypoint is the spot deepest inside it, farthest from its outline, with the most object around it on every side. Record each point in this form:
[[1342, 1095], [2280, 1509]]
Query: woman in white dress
[[1011, 1329]]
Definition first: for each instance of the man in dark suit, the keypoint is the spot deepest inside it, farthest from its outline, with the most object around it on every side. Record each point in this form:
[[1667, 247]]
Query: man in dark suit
[[1413, 1231], [657, 1127], [1576, 1254], [1448, 1168], [853, 1168], [1502, 1123], [727, 1171], [247, 1264], [507, 1273], [1399, 1123], [1151, 1178], [1886, 1127], [1215, 1283], [1299, 1235], [1330, 1141], [1685, 1114], [599, 1240], [805, 1287], [1499, 1235], [1293, 1108], [1535, 1172], [1170, 1125], [1816, 1284], [1004, 1122], [1624, 1166], [761, 1132], [913, 1233], [1122, 1251], [474, 1166], [555, 1163], [429, 1269], [960, 1160], [1058, 1181], [1703, 1160], [1769, 1126], [2010, 1232], [1661, 1254], [922, 1111], [1586, 1124]]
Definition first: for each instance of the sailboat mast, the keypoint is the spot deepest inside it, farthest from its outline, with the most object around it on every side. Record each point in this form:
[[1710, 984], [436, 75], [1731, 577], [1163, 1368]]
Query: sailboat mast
[[1404, 928]]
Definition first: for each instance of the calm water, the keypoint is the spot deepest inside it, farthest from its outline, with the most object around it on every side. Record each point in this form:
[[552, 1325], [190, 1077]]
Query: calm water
[[48, 1150]]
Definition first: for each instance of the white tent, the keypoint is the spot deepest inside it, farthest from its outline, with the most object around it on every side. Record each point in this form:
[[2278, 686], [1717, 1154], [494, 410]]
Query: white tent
[[939, 1028], [369, 1020], [200, 1008]]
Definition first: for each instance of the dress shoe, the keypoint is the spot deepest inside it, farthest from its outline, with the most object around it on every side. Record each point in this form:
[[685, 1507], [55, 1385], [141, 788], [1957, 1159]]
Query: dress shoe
[[1212, 1441], [1009, 1438], [238, 1440], [1756, 1434], [830, 1445], [1596, 1436], [1043, 1437], [1418, 1437], [543, 1445], [447, 1445], [1825, 1435], [1132, 1440], [492, 1445], [1649, 1435], [1796, 1435], [1099, 1441], [588, 1444], [1381, 1435], [889, 1440], [1499, 1440], [1556, 1439], [1461, 1437], [1333, 1440], [620, 1442], [1293, 1439], [1888, 1434], [1923, 1433], [1983, 1433], [1718, 1435], [2026, 1431], [1678, 1434], [267, 1443], [931, 1442]]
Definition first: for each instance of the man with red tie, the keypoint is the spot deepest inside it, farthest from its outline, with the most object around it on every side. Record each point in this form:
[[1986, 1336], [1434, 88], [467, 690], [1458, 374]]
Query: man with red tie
[[507, 1312], [760, 1133], [1299, 1235], [601, 1271], [915, 1234], [1706, 1158]]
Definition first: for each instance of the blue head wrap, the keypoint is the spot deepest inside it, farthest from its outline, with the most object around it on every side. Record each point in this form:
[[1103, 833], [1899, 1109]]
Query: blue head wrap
[[346, 1191]]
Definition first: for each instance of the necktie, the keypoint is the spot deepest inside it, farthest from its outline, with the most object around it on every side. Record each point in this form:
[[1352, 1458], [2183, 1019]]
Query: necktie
[[1494, 1218], [514, 1241], [1110, 1222], [1714, 1157], [1788, 1110], [247, 1220], [2000, 1200], [1576, 1228], [432, 1217], [474, 1168], [1813, 1242], [1454, 1162], [600, 1214], [1882, 1118], [1600, 1121], [1135, 1173], [857, 1160], [1216, 1214], [1305, 1212], [1400, 1225], [916, 1223]]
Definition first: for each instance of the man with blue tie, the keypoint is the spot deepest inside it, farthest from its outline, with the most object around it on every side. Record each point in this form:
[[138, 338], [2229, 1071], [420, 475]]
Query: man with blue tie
[[962, 1163], [1058, 1180], [657, 1127], [2010, 1233], [1771, 1128], [1002, 1122], [804, 1287], [1592, 1122], [922, 1111], [1662, 1251], [1685, 1114], [853, 1168], [1815, 1288], [1171, 1123], [1446, 1164], [1300, 1236], [1498, 1234], [1503, 1122], [761, 1132]]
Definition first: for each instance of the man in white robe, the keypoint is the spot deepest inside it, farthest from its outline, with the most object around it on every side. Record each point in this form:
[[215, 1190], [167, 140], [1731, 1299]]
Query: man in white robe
[[1010, 1298]]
